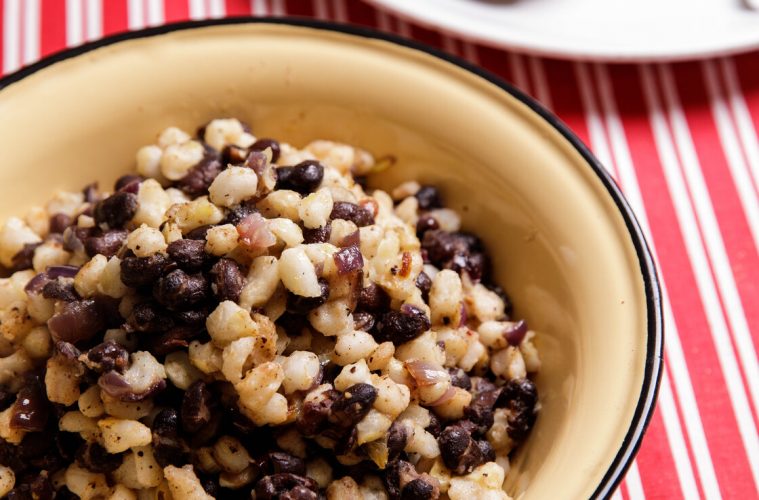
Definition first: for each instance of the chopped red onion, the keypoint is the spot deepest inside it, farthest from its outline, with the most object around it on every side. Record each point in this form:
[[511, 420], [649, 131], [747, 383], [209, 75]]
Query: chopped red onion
[[348, 260], [77, 321], [447, 396], [254, 232], [515, 334], [425, 374]]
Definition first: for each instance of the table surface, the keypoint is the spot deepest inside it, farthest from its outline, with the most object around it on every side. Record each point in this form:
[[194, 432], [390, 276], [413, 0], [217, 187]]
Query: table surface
[[681, 140]]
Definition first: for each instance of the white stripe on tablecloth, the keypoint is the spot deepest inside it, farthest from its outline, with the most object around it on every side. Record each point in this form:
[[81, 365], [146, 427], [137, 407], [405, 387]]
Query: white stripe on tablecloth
[[341, 10], [732, 148], [74, 28], [135, 14], [715, 246], [278, 8], [617, 495], [11, 34], [155, 13], [321, 11], [675, 358], [197, 9], [258, 7], [519, 72], [31, 31], [540, 83], [699, 264], [93, 19], [216, 9], [746, 129], [632, 481]]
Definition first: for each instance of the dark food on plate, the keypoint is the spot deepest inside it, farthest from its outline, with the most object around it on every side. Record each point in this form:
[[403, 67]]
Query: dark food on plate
[[241, 318]]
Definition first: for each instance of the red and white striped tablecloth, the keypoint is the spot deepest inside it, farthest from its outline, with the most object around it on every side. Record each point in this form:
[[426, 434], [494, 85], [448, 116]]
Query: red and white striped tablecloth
[[681, 140]]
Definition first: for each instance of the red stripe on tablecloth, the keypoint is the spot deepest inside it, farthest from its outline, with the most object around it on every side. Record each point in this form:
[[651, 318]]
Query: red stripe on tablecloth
[[361, 13], [747, 66], [655, 463], [300, 7], [176, 10], [115, 16], [2, 35], [741, 251], [565, 95], [53, 26], [714, 406], [425, 35], [237, 8], [494, 61]]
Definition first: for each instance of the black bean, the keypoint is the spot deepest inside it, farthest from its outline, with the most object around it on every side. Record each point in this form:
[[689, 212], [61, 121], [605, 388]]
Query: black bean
[[59, 223], [487, 450], [373, 298], [262, 144], [60, 289], [520, 396], [292, 323], [23, 258], [196, 407], [31, 409], [199, 178], [227, 280], [149, 317], [460, 453], [177, 338], [314, 414], [396, 473], [189, 255], [353, 405], [297, 304], [475, 264], [426, 223], [397, 438], [299, 493], [6, 398], [199, 233], [303, 178], [363, 321], [359, 215], [481, 409], [402, 326], [68, 350], [459, 378], [429, 198], [435, 426], [239, 212], [424, 283], [274, 486], [442, 246], [106, 243], [142, 271], [179, 290], [116, 210], [419, 489], [317, 235], [192, 317], [279, 462], [168, 446], [94, 457], [108, 356], [90, 192], [35, 487], [126, 180]]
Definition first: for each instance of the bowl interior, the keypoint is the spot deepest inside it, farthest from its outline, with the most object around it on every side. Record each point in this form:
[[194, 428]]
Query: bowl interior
[[559, 244]]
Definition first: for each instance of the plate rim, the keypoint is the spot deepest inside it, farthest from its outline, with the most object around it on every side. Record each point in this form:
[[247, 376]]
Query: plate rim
[[655, 323], [440, 23]]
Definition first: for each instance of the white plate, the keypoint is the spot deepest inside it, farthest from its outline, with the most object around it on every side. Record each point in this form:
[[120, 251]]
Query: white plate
[[611, 30]]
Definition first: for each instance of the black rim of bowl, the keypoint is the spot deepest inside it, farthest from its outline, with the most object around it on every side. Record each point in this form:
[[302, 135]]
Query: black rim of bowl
[[647, 399]]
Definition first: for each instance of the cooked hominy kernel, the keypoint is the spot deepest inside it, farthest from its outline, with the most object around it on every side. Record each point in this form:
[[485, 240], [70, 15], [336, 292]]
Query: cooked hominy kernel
[[110, 283], [445, 298], [224, 131], [392, 398], [76, 421], [62, 380], [120, 435], [484, 304], [407, 210], [13, 236], [85, 484], [280, 203], [171, 136], [121, 492], [320, 471], [196, 213], [183, 483], [484, 482], [447, 219], [149, 161], [475, 353], [147, 470], [8, 432], [220, 240], [262, 281], [37, 343], [229, 322], [7, 480], [352, 346], [372, 427], [146, 241], [205, 357], [231, 455], [152, 204], [422, 442], [178, 159], [508, 363], [530, 353], [50, 253], [232, 186], [286, 231], [298, 274], [356, 373], [423, 348], [332, 318], [124, 409], [315, 208], [38, 220], [87, 279], [65, 203], [344, 489], [301, 370], [180, 371], [90, 403], [453, 409], [235, 481]]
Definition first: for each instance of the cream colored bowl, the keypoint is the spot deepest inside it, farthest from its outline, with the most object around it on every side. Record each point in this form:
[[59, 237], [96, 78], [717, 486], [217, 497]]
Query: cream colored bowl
[[564, 242]]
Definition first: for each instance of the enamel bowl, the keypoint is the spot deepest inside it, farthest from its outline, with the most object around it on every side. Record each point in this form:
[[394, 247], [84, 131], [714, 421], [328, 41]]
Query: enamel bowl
[[564, 242]]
